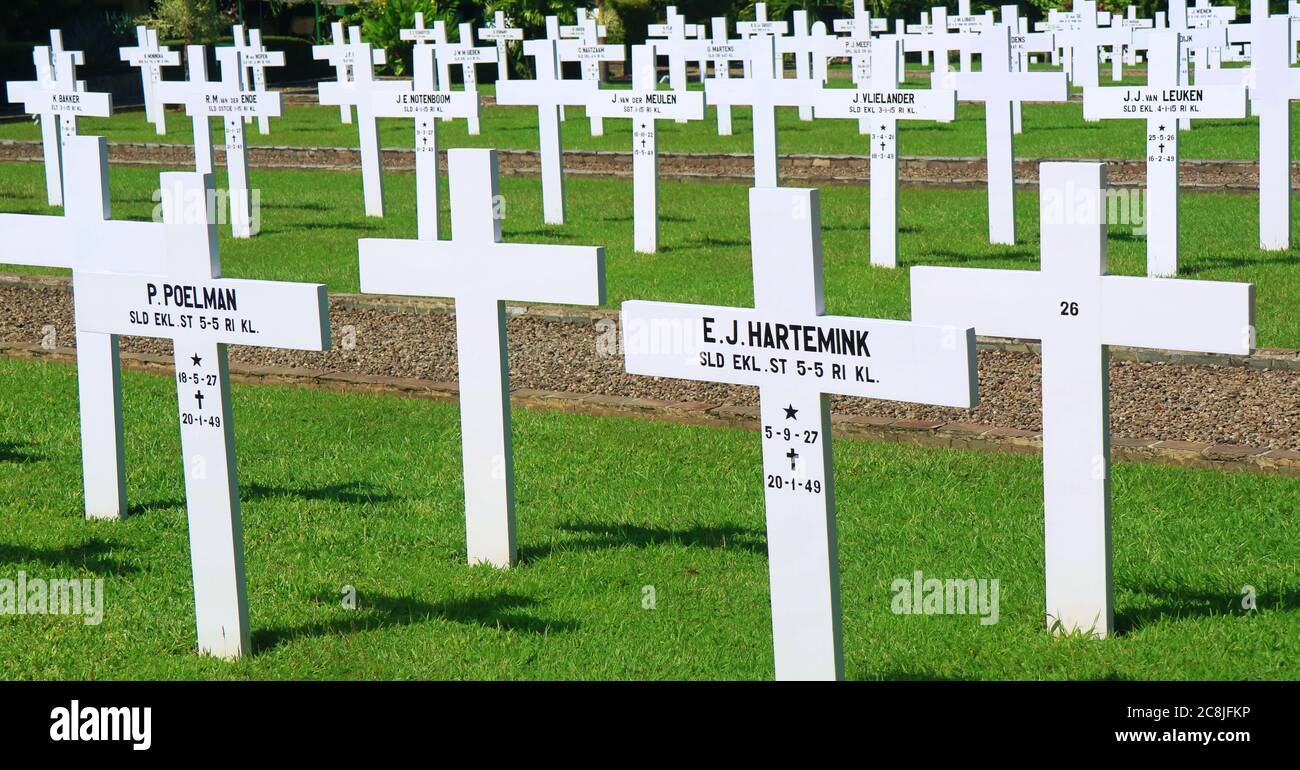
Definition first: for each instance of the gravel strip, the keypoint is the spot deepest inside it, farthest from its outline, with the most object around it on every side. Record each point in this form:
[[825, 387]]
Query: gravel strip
[[1213, 404]]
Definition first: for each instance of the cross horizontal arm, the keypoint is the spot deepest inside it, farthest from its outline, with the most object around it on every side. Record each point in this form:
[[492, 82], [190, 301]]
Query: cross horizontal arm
[[687, 105], [1020, 86], [1177, 314], [521, 272], [386, 103], [544, 93], [780, 92], [38, 98], [899, 104], [1200, 101], [51, 241], [891, 360], [334, 93], [995, 302], [230, 311]]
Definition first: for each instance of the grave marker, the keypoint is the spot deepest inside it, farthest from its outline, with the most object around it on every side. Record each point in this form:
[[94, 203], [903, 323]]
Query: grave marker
[[589, 52], [763, 91], [1078, 311], [425, 103], [254, 59], [479, 271], [204, 99], [797, 356], [1271, 85], [882, 105], [644, 106], [674, 40], [467, 56], [358, 91], [501, 33], [549, 93], [57, 97], [162, 280], [1161, 103], [722, 51], [998, 86], [150, 58]]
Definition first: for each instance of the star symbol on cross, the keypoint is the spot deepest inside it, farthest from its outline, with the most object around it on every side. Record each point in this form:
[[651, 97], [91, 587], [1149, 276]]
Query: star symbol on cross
[[197, 361], [790, 412]]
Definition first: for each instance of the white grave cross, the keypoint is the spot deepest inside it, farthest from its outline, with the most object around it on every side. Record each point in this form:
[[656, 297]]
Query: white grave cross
[[467, 56], [57, 97], [479, 272], [797, 356], [1161, 103], [882, 105], [763, 91], [501, 32], [254, 58], [721, 51], [550, 94], [357, 91], [644, 105], [1078, 311], [589, 33], [425, 103], [1271, 84], [150, 58], [999, 87], [204, 99]]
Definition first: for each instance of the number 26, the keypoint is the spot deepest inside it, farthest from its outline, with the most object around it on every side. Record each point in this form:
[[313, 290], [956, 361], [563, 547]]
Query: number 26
[[1069, 308]]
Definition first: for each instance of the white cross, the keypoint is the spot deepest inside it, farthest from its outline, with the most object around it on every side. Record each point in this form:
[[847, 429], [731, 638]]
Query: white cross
[[1081, 35], [1271, 84], [760, 27], [478, 271], [763, 90], [86, 238], [858, 48], [57, 97], [468, 56], [796, 356], [552, 34], [882, 105], [722, 51], [204, 99], [1132, 22], [550, 94], [922, 28], [1023, 45], [1078, 311], [422, 101], [1161, 103], [586, 49], [254, 59], [340, 57], [644, 106], [965, 21], [800, 45], [501, 31], [170, 288], [998, 86], [150, 58], [936, 38], [357, 91], [674, 41]]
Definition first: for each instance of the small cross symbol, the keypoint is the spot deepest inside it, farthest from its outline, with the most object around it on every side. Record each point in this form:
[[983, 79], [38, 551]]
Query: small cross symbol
[[793, 455], [1162, 148], [198, 396]]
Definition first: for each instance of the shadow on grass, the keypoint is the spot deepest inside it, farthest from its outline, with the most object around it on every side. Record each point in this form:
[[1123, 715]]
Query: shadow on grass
[[91, 555], [154, 506], [1164, 603], [500, 611], [605, 536], [1261, 259], [15, 452], [347, 492], [1030, 258]]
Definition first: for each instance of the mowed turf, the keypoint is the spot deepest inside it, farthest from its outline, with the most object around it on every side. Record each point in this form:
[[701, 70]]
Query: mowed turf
[[311, 221], [1050, 131], [364, 491]]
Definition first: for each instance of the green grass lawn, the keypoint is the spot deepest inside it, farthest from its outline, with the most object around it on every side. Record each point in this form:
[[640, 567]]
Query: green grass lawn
[[365, 491], [311, 221], [1051, 131]]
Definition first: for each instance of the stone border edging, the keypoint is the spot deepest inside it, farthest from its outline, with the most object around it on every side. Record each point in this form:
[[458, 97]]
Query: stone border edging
[[923, 433], [726, 167]]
